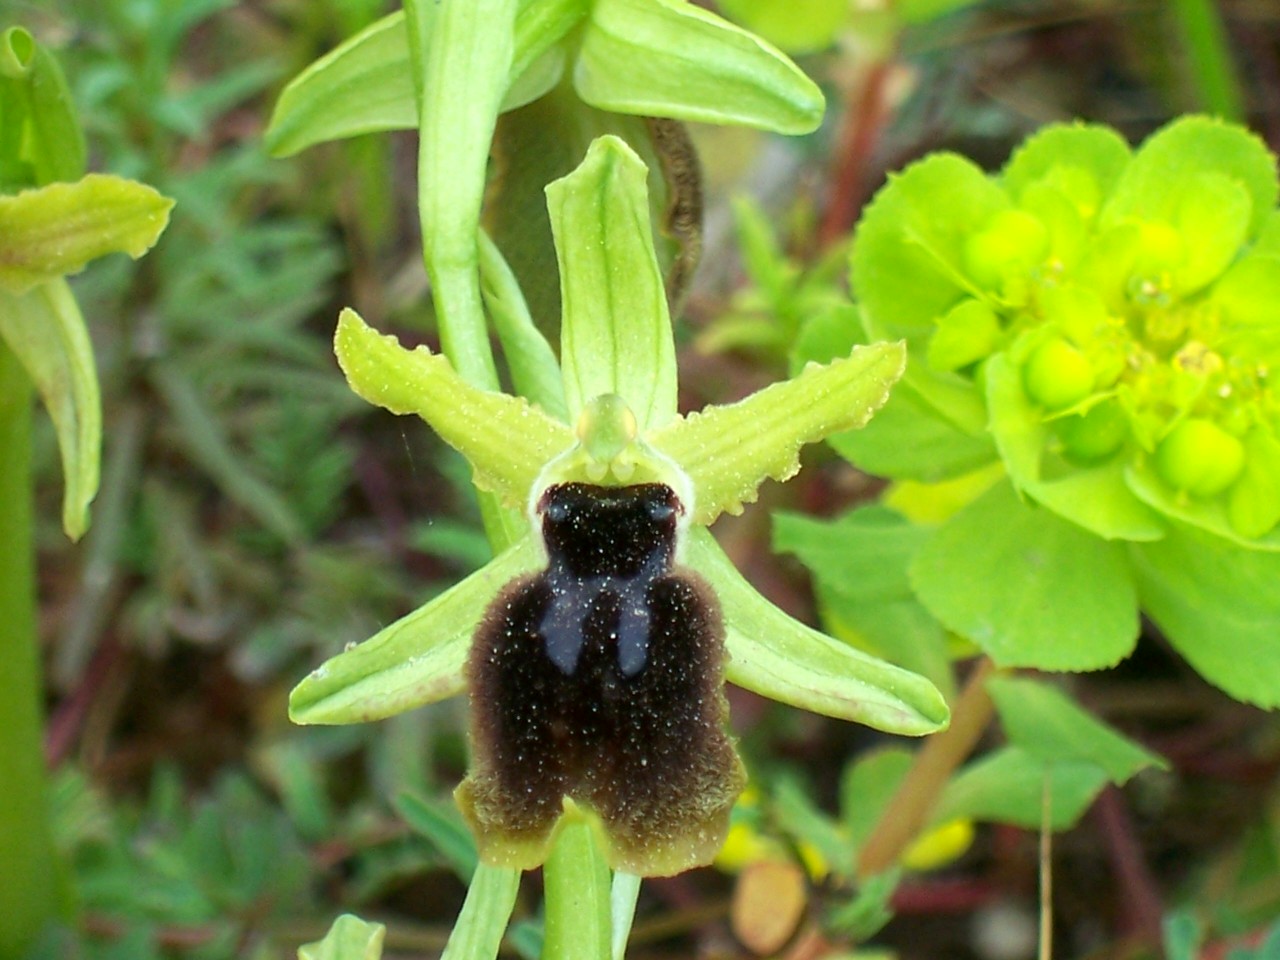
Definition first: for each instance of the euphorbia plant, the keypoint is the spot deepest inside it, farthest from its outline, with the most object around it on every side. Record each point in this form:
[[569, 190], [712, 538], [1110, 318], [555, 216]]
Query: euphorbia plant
[[53, 220], [1102, 323]]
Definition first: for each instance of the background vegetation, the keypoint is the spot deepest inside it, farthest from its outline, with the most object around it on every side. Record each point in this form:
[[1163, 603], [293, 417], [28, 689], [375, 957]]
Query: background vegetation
[[255, 516]]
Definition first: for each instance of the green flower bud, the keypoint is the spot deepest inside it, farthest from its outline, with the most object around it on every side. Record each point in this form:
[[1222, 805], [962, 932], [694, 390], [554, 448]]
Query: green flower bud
[[1057, 375], [1199, 457], [1094, 435], [1012, 242]]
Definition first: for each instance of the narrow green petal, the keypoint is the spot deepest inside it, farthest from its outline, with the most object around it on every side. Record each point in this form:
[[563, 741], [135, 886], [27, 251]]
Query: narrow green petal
[[535, 371], [781, 658], [44, 329], [669, 58], [616, 331], [365, 85], [505, 438], [729, 451], [55, 230], [417, 660]]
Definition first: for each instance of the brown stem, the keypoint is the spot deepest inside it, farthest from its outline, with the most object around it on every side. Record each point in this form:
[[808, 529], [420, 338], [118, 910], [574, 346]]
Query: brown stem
[[914, 800], [864, 117]]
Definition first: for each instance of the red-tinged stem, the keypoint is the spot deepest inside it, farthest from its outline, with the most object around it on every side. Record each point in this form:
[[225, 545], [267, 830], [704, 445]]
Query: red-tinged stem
[[863, 120]]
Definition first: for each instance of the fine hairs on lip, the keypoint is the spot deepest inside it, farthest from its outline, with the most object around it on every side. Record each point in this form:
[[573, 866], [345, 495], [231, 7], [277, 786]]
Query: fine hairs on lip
[[599, 679]]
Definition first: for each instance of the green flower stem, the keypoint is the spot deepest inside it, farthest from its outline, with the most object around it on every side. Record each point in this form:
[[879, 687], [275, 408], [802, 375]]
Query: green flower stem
[[934, 764], [578, 894], [29, 890], [483, 920]]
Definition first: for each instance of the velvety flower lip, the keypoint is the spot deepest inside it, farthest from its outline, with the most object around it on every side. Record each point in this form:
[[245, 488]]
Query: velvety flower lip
[[619, 388]]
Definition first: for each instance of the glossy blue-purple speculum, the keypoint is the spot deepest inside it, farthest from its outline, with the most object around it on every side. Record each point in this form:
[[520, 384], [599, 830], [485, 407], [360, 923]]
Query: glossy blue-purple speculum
[[600, 679]]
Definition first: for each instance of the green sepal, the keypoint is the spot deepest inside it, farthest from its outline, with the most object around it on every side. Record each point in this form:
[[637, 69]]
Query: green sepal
[[728, 451], [40, 137], [56, 230], [1028, 587], [1095, 497], [365, 85], [506, 440], [1218, 606], [419, 659], [614, 301], [669, 58], [350, 938], [1052, 728], [46, 332], [781, 658]]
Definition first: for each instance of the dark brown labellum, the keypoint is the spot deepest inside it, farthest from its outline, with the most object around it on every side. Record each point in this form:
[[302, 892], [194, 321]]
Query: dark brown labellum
[[600, 679]]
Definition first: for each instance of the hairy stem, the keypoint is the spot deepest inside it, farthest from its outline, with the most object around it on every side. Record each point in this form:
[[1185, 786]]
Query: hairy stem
[[909, 809], [30, 895]]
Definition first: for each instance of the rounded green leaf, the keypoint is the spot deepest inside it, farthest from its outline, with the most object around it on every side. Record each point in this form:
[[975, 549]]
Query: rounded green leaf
[[1084, 161], [350, 938], [1029, 588], [1218, 605], [1176, 154], [908, 252]]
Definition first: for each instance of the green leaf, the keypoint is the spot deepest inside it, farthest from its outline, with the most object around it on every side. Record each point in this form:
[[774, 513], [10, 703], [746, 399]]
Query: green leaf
[[669, 58], [1176, 154], [1007, 787], [1061, 153], [1027, 587], [440, 823], [859, 563], [616, 333], [46, 332], [41, 140], [506, 441], [800, 26], [1096, 497], [1051, 728], [866, 787], [780, 658], [477, 934], [416, 660], [365, 85], [577, 892], [350, 938], [1218, 605], [56, 230], [728, 451], [908, 251]]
